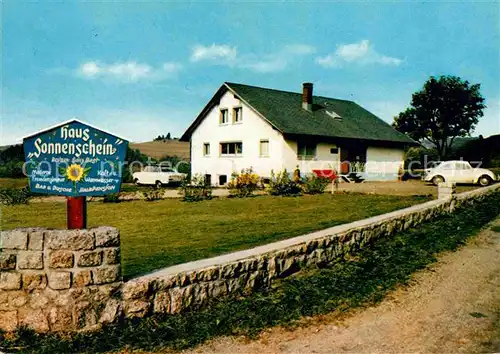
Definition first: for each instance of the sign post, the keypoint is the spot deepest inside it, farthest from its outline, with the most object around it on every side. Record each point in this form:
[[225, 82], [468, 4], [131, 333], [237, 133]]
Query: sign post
[[76, 160], [76, 212]]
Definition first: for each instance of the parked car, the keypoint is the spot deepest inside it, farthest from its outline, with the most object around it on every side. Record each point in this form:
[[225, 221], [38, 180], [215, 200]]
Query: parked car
[[458, 172], [158, 176]]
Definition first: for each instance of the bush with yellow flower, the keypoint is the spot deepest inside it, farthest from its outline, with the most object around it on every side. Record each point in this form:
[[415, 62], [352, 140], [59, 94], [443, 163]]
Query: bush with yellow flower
[[243, 184]]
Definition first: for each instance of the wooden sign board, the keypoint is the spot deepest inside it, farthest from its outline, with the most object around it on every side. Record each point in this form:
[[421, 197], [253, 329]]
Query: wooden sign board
[[74, 159]]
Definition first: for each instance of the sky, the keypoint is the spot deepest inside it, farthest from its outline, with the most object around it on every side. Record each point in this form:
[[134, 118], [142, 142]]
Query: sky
[[143, 69]]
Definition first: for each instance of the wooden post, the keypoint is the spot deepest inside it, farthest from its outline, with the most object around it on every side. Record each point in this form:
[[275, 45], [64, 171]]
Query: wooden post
[[76, 212]]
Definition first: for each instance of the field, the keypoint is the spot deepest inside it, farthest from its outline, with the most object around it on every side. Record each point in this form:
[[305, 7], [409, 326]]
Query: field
[[159, 149], [13, 182], [162, 233]]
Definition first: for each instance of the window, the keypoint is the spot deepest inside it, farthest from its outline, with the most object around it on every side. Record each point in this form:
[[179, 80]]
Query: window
[[233, 149], [222, 180], [306, 149], [223, 117], [264, 148], [206, 149], [208, 179], [237, 115], [334, 150], [463, 166]]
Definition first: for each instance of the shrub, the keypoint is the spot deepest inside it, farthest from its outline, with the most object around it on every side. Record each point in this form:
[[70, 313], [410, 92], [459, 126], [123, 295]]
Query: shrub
[[281, 184], [13, 196], [112, 198], [152, 194], [314, 185], [195, 189], [243, 184]]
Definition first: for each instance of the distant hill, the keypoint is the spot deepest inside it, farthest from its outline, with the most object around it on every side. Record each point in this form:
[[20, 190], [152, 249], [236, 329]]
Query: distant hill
[[158, 149]]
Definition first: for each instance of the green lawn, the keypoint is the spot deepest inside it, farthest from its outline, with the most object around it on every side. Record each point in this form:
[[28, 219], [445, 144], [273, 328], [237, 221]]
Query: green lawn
[[162, 233], [13, 182]]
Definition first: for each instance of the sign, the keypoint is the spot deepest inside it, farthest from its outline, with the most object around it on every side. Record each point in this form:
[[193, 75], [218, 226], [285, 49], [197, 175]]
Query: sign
[[74, 159]]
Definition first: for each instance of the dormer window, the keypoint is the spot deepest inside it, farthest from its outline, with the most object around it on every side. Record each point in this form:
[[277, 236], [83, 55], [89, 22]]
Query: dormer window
[[333, 114], [223, 116]]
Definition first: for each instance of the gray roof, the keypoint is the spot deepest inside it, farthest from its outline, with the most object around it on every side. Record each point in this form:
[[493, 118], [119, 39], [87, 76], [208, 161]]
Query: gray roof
[[284, 111]]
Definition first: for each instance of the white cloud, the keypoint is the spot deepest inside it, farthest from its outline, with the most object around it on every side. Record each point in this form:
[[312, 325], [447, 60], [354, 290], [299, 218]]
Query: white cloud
[[129, 71], [300, 49], [214, 53], [362, 53], [267, 63]]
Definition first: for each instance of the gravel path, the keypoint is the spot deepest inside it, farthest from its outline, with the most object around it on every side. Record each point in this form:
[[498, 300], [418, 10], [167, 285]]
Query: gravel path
[[454, 306]]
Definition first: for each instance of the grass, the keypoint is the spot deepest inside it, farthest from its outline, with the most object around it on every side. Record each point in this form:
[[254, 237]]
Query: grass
[[353, 282], [166, 232], [13, 182]]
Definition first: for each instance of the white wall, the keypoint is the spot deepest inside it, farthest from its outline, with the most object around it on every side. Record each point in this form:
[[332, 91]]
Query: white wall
[[250, 131], [383, 163], [324, 158]]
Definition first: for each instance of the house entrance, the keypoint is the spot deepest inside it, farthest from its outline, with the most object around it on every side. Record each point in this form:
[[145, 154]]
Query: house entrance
[[352, 158]]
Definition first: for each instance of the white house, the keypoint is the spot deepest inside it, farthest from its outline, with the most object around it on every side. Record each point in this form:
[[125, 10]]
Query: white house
[[246, 126]]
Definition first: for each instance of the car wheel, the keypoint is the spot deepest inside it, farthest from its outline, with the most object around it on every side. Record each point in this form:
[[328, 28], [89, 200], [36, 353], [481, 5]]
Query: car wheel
[[136, 181], [158, 184], [484, 180], [437, 180]]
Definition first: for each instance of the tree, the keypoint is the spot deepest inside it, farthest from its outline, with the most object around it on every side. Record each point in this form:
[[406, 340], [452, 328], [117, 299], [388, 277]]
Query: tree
[[445, 108], [169, 137]]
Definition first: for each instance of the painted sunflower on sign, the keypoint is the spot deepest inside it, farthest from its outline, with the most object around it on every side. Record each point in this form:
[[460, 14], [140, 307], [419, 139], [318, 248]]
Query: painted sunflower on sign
[[74, 173]]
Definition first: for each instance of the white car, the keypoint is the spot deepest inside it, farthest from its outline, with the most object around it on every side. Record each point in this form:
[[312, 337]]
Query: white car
[[158, 176], [458, 172]]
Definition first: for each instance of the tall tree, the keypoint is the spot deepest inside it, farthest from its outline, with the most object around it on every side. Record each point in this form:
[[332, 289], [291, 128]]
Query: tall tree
[[445, 108]]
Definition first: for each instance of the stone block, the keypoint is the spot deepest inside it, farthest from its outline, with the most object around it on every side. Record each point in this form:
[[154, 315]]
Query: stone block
[[60, 319], [35, 240], [7, 261], [83, 278], [106, 236], [112, 255], [136, 308], [107, 274], [17, 299], [161, 302], [38, 300], [84, 315], [61, 259], [30, 260], [10, 281], [111, 312], [90, 259], [8, 320], [60, 280], [75, 240], [34, 319], [14, 240], [180, 298], [135, 289], [32, 281]]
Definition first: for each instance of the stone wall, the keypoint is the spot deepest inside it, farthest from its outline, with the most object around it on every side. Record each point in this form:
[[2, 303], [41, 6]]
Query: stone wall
[[53, 280], [190, 285]]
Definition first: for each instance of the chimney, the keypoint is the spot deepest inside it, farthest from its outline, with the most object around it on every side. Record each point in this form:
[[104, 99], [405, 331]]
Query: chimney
[[307, 96]]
